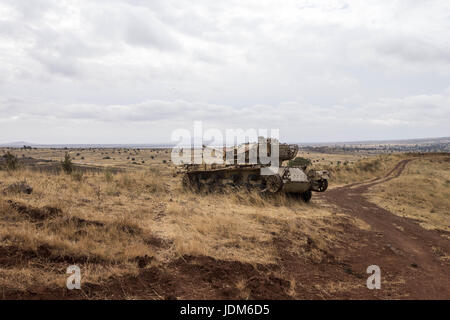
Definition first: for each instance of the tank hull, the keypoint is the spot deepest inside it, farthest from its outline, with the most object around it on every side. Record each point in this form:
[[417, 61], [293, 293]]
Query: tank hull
[[290, 180]]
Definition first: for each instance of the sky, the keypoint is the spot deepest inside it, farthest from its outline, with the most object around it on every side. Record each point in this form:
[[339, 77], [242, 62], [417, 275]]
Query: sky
[[134, 71]]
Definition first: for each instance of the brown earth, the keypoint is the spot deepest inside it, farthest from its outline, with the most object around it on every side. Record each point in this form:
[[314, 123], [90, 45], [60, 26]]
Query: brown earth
[[411, 267]]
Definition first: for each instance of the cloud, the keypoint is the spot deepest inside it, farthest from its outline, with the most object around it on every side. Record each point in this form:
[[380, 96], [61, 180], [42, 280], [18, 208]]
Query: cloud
[[302, 121], [148, 32], [315, 69]]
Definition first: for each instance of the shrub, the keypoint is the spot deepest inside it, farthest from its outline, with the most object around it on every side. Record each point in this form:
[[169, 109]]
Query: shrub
[[300, 162], [67, 164], [156, 171], [12, 162]]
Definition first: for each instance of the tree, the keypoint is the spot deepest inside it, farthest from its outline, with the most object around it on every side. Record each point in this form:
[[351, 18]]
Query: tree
[[12, 162], [67, 164]]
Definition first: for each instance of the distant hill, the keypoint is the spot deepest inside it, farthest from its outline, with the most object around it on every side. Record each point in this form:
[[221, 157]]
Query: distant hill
[[419, 141], [373, 142], [17, 144]]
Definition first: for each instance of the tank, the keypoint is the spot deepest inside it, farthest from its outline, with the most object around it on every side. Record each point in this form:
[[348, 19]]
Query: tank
[[238, 172]]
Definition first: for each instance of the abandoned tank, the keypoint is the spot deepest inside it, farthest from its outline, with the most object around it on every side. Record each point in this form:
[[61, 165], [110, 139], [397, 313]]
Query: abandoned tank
[[242, 173]]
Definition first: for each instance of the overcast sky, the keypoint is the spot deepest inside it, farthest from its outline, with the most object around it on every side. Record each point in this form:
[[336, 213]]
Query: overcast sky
[[133, 71]]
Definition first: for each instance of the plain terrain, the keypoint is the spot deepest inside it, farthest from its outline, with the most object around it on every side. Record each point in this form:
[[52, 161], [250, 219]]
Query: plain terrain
[[124, 219]]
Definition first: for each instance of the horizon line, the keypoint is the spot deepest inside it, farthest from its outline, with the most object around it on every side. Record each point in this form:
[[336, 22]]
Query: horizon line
[[22, 143]]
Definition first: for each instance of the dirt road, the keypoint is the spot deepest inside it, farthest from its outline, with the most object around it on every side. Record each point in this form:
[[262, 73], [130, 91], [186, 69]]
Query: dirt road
[[405, 252]]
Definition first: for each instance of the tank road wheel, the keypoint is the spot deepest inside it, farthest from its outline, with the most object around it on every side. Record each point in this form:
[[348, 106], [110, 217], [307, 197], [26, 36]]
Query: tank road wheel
[[254, 181], [237, 180], [274, 183], [186, 182], [323, 185], [189, 182], [205, 182], [218, 184], [306, 196]]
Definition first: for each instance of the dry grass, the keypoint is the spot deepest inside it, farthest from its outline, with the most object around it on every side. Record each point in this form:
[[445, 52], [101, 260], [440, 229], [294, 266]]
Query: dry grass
[[361, 170], [422, 192], [220, 227], [105, 221], [353, 167], [118, 158]]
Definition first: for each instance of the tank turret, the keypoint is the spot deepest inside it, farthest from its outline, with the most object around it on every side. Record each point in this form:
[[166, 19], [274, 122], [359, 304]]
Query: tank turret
[[245, 153]]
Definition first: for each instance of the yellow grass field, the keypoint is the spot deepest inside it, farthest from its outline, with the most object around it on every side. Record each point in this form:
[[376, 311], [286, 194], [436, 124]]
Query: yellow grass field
[[421, 193], [116, 224]]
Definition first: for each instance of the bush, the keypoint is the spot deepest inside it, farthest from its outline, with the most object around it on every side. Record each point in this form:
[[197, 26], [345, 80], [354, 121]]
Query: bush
[[156, 171], [12, 162], [300, 162], [67, 164]]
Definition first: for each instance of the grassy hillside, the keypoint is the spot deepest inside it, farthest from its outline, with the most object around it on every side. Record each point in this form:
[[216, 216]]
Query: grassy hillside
[[361, 170], [117, 224], [121, 225], [422, 192]]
